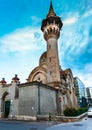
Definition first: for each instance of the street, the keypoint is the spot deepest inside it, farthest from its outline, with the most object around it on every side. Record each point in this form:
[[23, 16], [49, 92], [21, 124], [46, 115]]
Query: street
[[21, 125], [84, 124]]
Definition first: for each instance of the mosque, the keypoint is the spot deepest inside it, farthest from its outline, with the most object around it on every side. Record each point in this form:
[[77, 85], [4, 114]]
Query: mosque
[[48, 89]]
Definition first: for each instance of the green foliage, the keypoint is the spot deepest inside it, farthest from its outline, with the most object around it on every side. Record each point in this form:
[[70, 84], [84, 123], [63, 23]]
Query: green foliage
[[74, 112]]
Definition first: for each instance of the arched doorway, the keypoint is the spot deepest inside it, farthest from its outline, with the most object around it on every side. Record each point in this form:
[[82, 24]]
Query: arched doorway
[[5, 105]]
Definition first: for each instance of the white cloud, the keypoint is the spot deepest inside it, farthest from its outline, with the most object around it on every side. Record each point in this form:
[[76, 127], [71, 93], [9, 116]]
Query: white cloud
[[88, 13], [35, 20], [88, 67], [86, 78], [72, 40], [70, 21], [22, 40], [74, 35], [20, 51], [72, 18], [85, 75]]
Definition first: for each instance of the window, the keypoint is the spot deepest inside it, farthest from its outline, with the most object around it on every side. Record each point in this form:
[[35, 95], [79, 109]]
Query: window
[[16, 93], [50, 59], [49, 46], [39, 78], [50, 72]]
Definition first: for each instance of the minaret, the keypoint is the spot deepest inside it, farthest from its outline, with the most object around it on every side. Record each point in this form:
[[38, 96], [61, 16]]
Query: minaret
[[51, 29]]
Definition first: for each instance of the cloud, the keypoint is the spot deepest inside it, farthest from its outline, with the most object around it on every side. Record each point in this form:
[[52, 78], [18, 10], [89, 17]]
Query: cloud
[[70, 18], [22, 40], [72, 40], [85, 75], [35, 20], [20, 52], [75, 46], [85, 79], [88, 13], [70, 21]]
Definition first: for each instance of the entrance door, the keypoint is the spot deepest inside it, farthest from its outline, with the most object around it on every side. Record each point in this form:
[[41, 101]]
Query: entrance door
[[7, 108]]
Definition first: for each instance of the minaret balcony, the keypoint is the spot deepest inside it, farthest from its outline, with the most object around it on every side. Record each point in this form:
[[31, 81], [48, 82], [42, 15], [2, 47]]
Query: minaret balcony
[[51, 30]]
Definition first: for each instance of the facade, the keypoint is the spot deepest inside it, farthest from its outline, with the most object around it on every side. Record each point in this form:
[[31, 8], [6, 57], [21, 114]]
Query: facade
[[89, 95], [48, 89], [28, 99], [80, 92]]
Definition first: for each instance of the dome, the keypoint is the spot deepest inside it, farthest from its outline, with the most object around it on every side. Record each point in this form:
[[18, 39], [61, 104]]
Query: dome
[[3, 81], [15, 78], [43, 58]]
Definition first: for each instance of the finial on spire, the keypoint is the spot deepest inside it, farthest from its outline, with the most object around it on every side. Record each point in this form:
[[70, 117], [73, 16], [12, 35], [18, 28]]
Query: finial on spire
[[51, 3], [51, 11]]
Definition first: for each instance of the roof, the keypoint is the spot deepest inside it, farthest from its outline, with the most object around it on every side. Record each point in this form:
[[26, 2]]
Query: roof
[[62, 73], [15, 78], [43, 58], [51, 11], [3, 81]]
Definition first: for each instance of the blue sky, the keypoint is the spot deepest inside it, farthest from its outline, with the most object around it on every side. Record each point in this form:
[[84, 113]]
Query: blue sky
[[22, 42]]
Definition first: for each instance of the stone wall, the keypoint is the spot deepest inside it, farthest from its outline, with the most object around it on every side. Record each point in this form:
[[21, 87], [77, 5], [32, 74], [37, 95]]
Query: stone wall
[[36, 99], [28, 103], [47, 100]]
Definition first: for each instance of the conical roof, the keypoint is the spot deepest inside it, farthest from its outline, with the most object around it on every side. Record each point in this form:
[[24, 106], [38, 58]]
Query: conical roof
[[51, 11], [51, 17]]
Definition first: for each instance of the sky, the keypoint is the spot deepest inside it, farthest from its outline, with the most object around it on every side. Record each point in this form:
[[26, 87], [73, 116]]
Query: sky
[[22, 42]]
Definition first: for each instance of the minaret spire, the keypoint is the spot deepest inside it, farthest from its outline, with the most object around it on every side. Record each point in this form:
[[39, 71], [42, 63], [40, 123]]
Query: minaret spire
[[51, 11]]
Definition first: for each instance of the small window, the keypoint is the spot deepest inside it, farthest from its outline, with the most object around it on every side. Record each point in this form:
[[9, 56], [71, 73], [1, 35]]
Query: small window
[[16, 93], [39, 78], [54, 21], [50, 59], [50, 72], [47, 23], [49, 46]]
